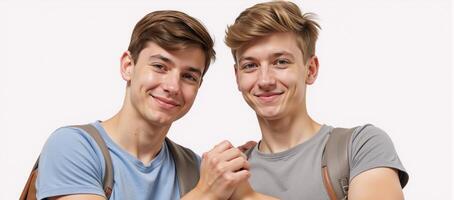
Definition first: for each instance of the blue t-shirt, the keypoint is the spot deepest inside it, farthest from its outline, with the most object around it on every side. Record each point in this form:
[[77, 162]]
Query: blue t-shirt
[[72, 163]]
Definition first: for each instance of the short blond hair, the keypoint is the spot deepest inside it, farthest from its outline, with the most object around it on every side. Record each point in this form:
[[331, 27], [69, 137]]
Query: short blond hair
[[264, 19]]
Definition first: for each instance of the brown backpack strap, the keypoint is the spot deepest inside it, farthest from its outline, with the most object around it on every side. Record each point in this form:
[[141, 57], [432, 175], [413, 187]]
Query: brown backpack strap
[[108, 175], [335, 163], [249, 151], [186, 166], [29, 191]]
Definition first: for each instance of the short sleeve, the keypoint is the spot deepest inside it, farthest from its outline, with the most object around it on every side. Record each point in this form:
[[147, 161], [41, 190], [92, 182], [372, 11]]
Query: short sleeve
[[372, 148], [70, 164]]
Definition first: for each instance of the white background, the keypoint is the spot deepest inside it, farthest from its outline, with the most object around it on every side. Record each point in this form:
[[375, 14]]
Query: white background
[[383, 62]]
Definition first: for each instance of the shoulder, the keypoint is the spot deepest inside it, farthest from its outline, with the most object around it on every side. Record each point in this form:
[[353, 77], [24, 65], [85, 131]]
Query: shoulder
[[70, 163], [69, 135], [70, 143], [370, 137], [371, 148], [367, 138], [368, 131], [71, 140]]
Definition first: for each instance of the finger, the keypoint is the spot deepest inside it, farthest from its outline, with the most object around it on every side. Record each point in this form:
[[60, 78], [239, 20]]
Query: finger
[[235, 165], [241, 175], [246, 165], [244, 156], [212, 158], [204, 159], [232, 179], [221, 147], [230, 154]]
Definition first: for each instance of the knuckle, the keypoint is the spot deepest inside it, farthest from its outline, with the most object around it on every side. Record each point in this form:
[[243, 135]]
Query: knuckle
[[222, 143], [227, 177], [219, 169], [237, 152], [213, 160], [207, 156], [226, 142], [246, 164]]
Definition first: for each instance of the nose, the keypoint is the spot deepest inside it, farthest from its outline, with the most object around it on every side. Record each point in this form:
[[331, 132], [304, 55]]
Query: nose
[[171, 84], [266, 81]]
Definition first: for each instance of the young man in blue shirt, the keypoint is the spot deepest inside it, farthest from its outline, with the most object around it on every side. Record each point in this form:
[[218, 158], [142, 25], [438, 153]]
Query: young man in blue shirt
[[163, 68]]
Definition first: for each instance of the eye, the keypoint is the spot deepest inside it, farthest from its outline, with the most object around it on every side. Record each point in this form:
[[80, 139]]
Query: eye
[[190, 77], [159, 67], [248, 67], [281, 62]]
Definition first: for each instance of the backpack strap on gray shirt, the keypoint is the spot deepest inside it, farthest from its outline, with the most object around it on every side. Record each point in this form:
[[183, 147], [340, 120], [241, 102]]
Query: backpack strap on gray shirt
[[335, 163], [186, 166], [249, 151]]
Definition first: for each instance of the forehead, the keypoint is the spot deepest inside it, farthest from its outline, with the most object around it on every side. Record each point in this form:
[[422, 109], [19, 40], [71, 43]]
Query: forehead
[[188, 56], [271, 44]]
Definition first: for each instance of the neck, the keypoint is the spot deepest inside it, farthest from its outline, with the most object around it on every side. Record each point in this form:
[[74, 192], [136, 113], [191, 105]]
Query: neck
[[135, 135], [286, 132]]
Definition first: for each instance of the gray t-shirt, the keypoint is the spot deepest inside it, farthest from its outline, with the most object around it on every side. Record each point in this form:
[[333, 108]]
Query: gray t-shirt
[[296, 173]]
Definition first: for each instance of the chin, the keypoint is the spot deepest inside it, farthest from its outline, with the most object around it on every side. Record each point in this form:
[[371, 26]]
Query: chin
[[160, 119], [269, 114]]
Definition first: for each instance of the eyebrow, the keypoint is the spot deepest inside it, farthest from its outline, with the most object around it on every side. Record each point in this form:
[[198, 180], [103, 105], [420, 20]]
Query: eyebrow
[[246, 58], [167, 60], [282, 53], [161, 57], [273, 55]]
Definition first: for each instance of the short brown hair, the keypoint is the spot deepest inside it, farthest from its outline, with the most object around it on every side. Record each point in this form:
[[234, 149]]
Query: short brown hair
[[264, 19], [171, 30]]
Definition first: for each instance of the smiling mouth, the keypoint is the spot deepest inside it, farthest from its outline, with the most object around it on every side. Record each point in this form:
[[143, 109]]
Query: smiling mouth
[[165, 103], [268, 97]]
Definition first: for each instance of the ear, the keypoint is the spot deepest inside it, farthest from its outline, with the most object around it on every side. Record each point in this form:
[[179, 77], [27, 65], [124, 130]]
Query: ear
[[235, 67], [126, 66], [312, 70]]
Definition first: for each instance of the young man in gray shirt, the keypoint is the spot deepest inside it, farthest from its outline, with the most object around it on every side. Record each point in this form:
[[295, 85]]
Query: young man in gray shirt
[[273, 45]]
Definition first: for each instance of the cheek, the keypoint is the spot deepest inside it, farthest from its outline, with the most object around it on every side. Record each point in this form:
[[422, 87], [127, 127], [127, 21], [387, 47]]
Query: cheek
[[246, 82], [189, 94], [146, 79], [151, 79], [289, 78]]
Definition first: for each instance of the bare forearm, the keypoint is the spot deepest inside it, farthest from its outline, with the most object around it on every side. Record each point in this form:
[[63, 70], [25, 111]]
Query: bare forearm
[[197, 194], [259, 196], [376, 184], [245, 192], [78, 197]]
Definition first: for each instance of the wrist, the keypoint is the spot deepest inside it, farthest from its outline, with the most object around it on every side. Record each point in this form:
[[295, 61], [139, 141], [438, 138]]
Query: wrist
[[250, 196], [199, 193], [257, 196]]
